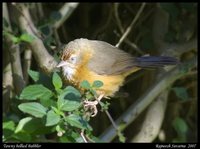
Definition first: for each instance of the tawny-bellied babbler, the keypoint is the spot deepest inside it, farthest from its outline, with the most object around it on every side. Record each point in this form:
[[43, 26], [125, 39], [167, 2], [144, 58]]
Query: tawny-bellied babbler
[[91, 60]]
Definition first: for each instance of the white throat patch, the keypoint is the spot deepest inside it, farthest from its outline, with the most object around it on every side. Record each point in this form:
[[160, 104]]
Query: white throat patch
[[69, 72]]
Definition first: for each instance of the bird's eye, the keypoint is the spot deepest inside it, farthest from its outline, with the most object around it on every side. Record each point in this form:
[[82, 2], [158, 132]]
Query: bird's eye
[[72, 59]]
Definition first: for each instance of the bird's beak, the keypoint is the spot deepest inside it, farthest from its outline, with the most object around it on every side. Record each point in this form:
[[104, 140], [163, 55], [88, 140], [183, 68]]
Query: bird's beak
[[62, 63]]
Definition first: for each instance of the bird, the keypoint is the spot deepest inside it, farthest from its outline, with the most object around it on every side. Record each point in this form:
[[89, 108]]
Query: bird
[[91, 60]]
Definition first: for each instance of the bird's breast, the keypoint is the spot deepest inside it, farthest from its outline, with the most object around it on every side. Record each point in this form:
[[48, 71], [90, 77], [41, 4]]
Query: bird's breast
[[111, 82]]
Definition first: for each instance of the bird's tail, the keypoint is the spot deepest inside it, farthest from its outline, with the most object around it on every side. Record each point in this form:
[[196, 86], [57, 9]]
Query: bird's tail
[[155, 61]]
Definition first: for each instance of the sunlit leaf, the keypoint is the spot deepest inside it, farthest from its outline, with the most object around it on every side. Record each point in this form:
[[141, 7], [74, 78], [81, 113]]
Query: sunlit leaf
[[27, 37], [33, 108], [97, 84], [52, 118], [21, 124], [34, 92], [57, 81], [77, 121], [85, 84]]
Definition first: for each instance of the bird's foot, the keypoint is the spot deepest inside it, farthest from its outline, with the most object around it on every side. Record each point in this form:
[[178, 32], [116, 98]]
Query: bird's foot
[[92, 105]]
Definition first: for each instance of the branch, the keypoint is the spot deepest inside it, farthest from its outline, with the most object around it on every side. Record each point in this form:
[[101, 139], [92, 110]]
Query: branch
[[178, 49], [65, 11], [153, 120], [131, 25], [27, 64], [45, 61], [15, 60], [7, 71], [141, 104]]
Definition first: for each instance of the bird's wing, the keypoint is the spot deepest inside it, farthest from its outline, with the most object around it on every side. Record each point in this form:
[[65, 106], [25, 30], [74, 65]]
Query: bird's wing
[[108, 60]]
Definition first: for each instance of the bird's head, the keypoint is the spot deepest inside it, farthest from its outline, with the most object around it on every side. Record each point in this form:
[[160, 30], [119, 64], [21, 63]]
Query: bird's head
[[73, 56]]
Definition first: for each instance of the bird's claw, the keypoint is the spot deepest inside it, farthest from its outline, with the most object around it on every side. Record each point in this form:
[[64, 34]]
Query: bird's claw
[[92, 105]]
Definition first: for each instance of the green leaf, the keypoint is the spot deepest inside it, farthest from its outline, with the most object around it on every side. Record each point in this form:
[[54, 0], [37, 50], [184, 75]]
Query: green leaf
[[33, 125], [44, 130], [21, 124], [23, 137], [15, 39], [52, 118], [104, 106], [41, 78], [85, 84], [27, 38], [34, 92], [9, 125], [77, 121], [97, 84], [69, 99], [181, 92], [33, 108], [180, 125], [8, 129], [34, 75], [121, 137], [57, 82], [48, 101]]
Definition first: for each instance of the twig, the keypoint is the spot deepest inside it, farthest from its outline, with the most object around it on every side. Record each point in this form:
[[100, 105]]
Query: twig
[[65, 12], [111, 119], [83, 137], [141, 104], [131, 25], [133, 45], [108, 114], [27, 18]]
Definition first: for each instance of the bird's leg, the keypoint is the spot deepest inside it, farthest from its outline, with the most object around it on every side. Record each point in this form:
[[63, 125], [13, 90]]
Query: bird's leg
[[93, 105]]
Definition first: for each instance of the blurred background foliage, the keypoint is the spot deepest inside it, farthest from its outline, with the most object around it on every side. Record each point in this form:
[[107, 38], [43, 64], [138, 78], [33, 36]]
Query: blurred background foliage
[[100, 21]]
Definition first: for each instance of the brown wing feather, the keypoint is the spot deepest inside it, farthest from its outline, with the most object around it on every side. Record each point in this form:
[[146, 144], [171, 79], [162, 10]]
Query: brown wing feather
[[107, 59]]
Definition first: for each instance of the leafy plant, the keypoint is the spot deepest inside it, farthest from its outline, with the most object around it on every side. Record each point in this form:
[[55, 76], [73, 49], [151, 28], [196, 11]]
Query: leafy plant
[[59, 110]]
